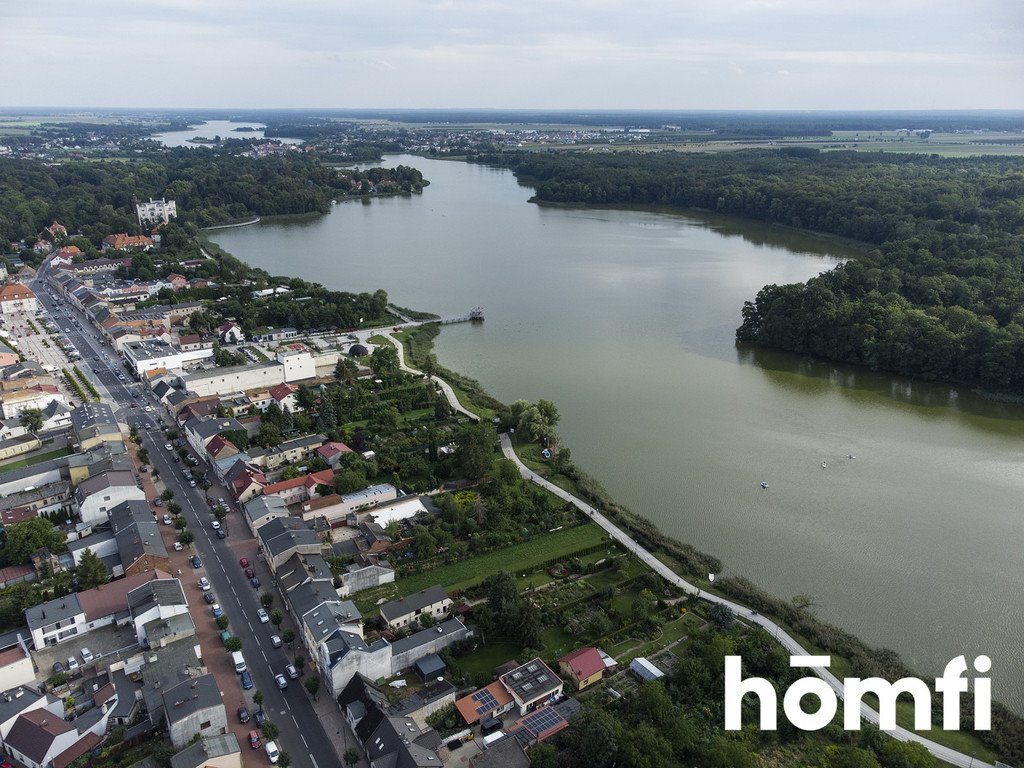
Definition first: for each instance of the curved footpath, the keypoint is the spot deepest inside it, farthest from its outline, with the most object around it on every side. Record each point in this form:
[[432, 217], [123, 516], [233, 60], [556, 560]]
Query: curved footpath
[[794, 648], [445, 387]]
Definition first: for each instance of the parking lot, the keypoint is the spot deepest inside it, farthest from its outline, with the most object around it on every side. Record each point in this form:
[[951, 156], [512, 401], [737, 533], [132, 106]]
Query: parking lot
[[41, 346], [108, 645]]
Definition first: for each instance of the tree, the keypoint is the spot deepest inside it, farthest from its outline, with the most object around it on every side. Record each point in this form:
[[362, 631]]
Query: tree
[[538, 421], [91, 572], [222, 622], [232, 644], [424, 543], [475, 449], [503, 600], [266, 599], [529, 627], [257, 699], [288, 636], [351, 757], [173, 508], [312, 684], [300, 662], [31, 419], [268, 436], [276, 617], [186, 538], [594, 734], [543, 755], [26, 537], [721, 615], [143, 455], [346, 370], [180, 522], [284, 760], [270, 731], [384, 360], [167, 495]]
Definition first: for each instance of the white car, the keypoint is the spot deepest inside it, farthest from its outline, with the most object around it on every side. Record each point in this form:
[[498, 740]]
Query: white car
[[262, 615], [272, 751], [204, 584], [168, 447], [72, 663], [167, 519], [149, 409], [86, 655], [215, 525], [178, 546]]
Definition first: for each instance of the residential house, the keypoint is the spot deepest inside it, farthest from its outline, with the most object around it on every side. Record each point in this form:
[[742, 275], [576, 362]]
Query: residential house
[[583, 666], [194, 706], [139, 543], [532, 685], [199, 432], [99, 494], [17, 700], [340, 507], [231, 333], [157, 602], [262, 510], [94, 423], [359, 577], [282, 537], [432, 601], [332, 452], [300, 489], [124, 242]]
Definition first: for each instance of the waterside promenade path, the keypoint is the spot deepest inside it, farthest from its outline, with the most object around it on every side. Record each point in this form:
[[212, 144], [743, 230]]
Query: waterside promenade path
[[794, 648]]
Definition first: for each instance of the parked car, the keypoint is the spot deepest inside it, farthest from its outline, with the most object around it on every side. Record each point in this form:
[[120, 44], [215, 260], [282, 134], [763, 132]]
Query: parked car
[[204, 583], [87, 656], [254, 740], [249, 573], [210, 598], [275, 641], [217, 611], [282, 681], [72, 663], [243, 715], [246, 680], [244, 562], [178, 546], [255, 582], [168, 447], [222, 533], [58, 668], [272, 751], [196, 562], [215, 524], [260, 717], [261, 614], [167, 519], [293, 673]]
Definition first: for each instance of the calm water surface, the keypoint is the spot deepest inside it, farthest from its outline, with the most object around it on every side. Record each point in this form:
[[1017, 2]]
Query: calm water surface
[[211, 128], [626, 319]]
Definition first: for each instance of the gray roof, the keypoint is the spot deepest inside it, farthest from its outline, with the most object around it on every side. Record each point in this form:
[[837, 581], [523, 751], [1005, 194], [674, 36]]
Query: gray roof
[[165, 592], [504, 753], [136, 532], [92, 541], [531, 680], [415, 602], [284, 533], [426, 636], [112, 479], [262, 505], [341, 643], [158, 629], [58, 609], [14, 701], [33, 470], [209, 428], [93, 415], [60, 489], [125, 688], [191, 696], [300, 568], [23, 369], [196, 755], [394, 741]]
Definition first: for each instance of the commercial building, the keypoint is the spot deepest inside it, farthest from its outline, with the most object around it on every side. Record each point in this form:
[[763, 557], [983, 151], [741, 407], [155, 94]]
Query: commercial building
[[16, 297], [152, 355]]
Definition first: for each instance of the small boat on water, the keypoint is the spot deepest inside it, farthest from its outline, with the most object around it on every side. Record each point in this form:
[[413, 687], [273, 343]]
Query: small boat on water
[[823, 465], [764, 484]]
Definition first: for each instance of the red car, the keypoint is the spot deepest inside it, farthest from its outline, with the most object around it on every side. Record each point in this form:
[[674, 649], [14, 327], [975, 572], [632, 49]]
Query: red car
[[244, 562], [254, 740], [249, 573]]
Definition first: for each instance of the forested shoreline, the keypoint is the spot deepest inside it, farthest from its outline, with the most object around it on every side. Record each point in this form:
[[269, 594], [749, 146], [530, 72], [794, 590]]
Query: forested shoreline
[[940, 296]]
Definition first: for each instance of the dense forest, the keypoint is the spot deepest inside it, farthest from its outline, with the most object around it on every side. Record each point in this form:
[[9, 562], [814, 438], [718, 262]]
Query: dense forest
[[940, 296], [210, 186]]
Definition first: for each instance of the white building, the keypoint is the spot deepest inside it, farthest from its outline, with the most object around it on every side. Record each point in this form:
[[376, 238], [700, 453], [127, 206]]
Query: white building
[[150, 355], [15, 297], [101, 493], [155, 211]]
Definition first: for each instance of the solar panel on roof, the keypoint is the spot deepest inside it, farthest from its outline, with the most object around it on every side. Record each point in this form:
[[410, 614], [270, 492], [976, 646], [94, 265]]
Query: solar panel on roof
[[485, 701], [542, 719]]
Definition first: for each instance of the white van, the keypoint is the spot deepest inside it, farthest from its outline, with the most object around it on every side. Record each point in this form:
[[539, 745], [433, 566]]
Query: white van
[[272, 751], [239, 661]]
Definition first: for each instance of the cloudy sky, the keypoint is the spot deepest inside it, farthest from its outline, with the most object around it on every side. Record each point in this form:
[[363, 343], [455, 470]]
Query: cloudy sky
[[547, 54]]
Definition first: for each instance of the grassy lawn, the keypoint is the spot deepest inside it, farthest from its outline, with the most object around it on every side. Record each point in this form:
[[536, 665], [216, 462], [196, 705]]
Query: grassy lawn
[[37, 459], [488, 656], [557, 642], [519, 557], [530, 454]]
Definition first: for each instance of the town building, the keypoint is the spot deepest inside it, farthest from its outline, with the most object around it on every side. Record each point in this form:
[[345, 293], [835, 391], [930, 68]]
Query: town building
[[532, 685], [151, 355], [17, 297], [155, 211], [99, 494], [585, 666], [432, 601], [124, 242]]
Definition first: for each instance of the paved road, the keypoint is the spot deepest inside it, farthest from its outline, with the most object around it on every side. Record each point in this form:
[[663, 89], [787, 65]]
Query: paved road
[[307, 743], [792, 646]]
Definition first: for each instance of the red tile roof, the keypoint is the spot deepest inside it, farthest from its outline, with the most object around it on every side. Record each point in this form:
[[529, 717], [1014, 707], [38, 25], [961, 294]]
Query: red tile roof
[[124, 240], [34, 731], [467, 707], [15, 291], [111, 598], [330, 450], [282, 391], [584, 662]]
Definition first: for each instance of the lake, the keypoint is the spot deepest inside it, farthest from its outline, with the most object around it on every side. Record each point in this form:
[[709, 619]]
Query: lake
[[212, 128], [625, 318]]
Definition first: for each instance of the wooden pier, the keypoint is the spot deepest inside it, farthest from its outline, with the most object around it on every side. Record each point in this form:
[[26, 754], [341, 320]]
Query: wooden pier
[[475, 315]]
